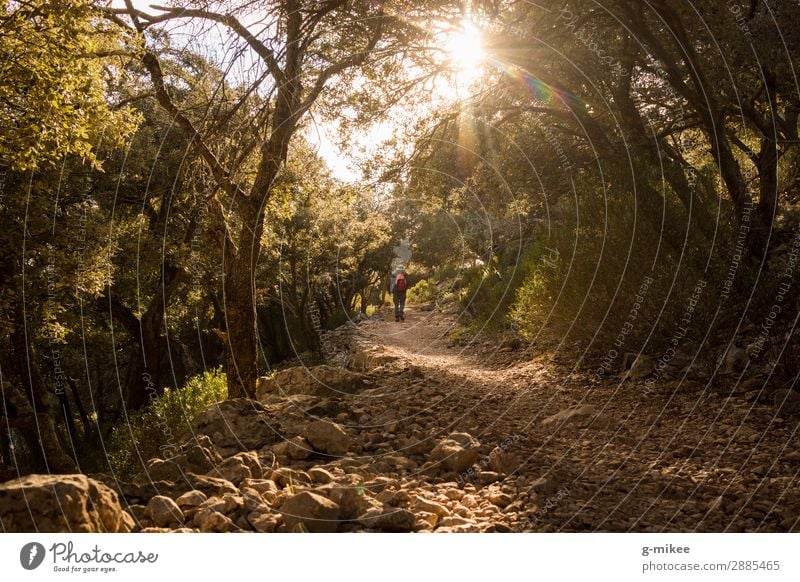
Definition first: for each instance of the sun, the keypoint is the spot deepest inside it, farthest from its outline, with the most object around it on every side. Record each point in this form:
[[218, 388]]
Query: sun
[[464, 48]]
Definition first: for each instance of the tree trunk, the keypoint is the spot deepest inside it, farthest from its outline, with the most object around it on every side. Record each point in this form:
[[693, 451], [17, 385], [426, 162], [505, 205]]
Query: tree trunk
[[35, 416], [768, 195], [240, 308], [146, 382]]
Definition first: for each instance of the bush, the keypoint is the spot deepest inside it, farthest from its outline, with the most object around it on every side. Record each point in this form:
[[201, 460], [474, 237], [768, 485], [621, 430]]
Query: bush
[[156, 429], [423, 292], [486, 292]]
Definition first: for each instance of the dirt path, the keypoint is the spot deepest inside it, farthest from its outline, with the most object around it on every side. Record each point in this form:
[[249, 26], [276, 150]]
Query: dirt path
[[677, 456]]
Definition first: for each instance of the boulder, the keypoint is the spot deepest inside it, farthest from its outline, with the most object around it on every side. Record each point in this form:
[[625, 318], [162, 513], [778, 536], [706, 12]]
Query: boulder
[[320, 380], [164, 512], [198, 454], [265, 487], [328, 437], [234, 470], [228, 504], [296, 448], [237, 425], [61, 503], [190, 499], [209, 520], [317, 513], [253, 462], [349, 495], [458, 452], [263, 522]]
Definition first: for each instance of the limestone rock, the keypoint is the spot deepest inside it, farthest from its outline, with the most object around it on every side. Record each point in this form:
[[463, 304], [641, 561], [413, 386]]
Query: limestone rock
[[458, 452], [209, 520], [388, 518], [426, 505], [263, 522], [317, 513], [61, 503], [287, 477], [234, 470], [296, 448], [369, 359], [191, 499], [320, 380], [237, 425], [350, 499], [328, 437], [265, 487], [320, 476], [160, 470], [502, 461], [164, 512]]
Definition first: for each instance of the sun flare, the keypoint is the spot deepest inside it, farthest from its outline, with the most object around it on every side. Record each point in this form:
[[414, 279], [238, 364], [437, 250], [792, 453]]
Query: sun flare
[[465, 51]]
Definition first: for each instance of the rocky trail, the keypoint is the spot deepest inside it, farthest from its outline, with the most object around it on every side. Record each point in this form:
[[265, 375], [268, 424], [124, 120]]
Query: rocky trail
[[419, 433]]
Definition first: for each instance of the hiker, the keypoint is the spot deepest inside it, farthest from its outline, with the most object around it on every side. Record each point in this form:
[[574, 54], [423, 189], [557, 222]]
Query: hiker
[[398, 285]]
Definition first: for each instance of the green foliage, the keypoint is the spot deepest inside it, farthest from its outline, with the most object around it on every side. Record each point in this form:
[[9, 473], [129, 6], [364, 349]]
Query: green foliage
[[53, 94], [156, 429], [423, 292]]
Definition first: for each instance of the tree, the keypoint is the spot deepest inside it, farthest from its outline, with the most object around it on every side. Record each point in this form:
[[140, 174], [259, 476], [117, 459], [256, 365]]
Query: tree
[[296, 49], [55, 109]]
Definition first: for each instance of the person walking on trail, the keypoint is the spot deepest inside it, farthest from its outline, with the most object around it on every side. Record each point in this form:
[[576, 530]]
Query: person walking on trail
[[398, 285]]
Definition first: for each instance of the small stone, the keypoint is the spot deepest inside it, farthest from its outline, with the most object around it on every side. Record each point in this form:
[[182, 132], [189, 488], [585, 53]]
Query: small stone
[[422, 504], [320, 475], [454, 521], [500, 499], [429, 519], [489, 477]]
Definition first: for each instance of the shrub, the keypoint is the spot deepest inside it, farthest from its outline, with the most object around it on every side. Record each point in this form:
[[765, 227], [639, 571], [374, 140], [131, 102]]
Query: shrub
[[623, 277], [149, 432], [423, 292]]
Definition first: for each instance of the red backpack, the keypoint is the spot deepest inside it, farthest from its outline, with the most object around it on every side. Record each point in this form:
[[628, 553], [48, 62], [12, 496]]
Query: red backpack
[[400, 283]]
